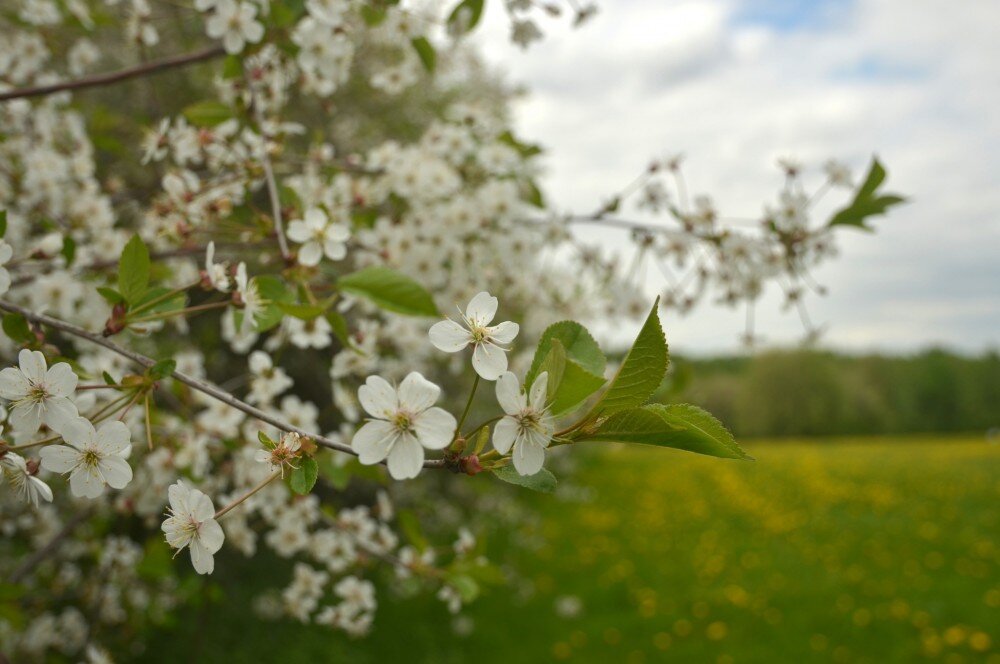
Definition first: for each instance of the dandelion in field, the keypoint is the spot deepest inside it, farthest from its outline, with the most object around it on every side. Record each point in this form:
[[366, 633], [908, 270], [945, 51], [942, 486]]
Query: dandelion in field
[[489, 357]]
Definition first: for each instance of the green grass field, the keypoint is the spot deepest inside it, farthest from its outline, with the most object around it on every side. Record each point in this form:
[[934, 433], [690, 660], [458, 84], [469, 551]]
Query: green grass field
[[870, 550]]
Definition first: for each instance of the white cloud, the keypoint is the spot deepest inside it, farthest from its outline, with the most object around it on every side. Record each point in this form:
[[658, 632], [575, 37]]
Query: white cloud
[[916, 81]]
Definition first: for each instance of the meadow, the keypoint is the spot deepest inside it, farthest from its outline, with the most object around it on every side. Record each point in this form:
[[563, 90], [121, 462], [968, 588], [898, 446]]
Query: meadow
[[862, 550]]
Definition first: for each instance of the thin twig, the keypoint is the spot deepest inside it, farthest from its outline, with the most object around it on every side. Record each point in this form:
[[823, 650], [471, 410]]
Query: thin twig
[[193, 383], [96, 80], [265, 160]]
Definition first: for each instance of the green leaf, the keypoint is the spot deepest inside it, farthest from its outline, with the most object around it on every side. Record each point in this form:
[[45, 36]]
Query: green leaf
[[867, 202], [580, 347], [15, 326], [465, 586], [68, 249], [162, 369], [112, 296], [3, 223], [372, 15], [133, 270], [301, 311], [208, 113], [390, 290], [426, 51], [680, 426], [266, 440], [576, 385], [533, 194], [410, 525], [108, 378], [339, 326], [470, 11], [232, 67], [542, 481], [526, 150], [275, 293], [641, 371], [303, 478], [554, 365]]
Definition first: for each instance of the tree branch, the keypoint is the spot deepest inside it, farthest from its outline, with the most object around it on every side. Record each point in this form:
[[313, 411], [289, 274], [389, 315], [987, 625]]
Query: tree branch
[[109, 78], [272, 185], [193, 383]]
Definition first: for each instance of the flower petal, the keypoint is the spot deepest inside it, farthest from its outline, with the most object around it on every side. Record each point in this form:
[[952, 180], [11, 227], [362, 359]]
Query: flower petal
[[13, 383], [482, 308], [310, 253], [528, 458], [435, 427], [504, 333], [449, 336], [504, 434], [373, 441], [60, 380], [59, 413], [538, 391], [26, 417], [201, 506], [509, 394], [416, 393], [32, 364], [201, 558], [59, 458], [117, 473], [78, 432], [86, 482], [211, 535], [406, 458], [378, 397], [489, 361], [113, 438]]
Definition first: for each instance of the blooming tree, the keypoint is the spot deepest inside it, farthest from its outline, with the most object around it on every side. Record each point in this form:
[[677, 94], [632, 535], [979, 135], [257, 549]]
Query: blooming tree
[[227, 276]]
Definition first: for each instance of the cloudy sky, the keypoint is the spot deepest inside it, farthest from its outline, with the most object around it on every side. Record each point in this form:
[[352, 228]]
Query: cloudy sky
[[734, 84]]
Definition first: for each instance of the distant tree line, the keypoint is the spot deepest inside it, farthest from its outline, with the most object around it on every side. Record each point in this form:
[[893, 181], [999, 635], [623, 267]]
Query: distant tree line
[[809, 392]]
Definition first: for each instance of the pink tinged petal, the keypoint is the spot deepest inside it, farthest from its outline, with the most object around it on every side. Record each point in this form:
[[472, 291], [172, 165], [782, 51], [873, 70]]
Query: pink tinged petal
[[504, 333], [201, 558], [13, 383], [538, 389], [378, 397], [78, 432], [310, 253], [116, 471], [406, 458], [60, 413], [60, 380], [528, 458], [86, 482], [509, 394], [32, 364], [114, 438], [373, 441], [201, 505], [504, 434], [449, 336], [489, 361], [416, 393], [211, 535], [59, 458], [435, 427], [482, 308], [26, 418]]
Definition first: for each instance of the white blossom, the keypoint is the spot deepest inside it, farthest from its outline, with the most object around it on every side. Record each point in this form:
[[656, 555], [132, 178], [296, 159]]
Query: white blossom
[[235, 23], [318, 237], [29, 488], [405, 422], [192, 524], [489, 357], [94, 458], [527, 427], [38, 394]]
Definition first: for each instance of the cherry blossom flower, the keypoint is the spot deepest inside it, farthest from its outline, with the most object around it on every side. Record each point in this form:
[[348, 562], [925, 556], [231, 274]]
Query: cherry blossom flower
[[489, 357], [527, 427], [216, 273], [192, 524], [16, 472], [318, 237], [94, 458], [38, 394], [283, 454], [405, 423], [235, 23]]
